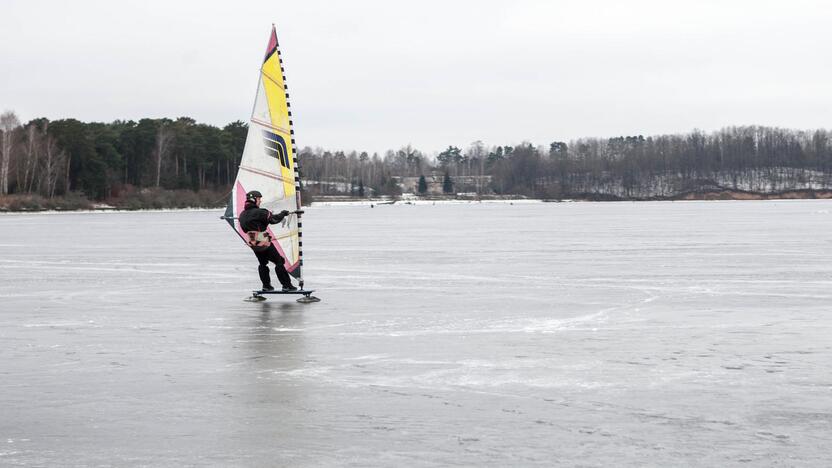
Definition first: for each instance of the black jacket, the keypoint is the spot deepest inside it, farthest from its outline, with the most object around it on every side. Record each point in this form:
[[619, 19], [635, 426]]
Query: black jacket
[[258, 219]]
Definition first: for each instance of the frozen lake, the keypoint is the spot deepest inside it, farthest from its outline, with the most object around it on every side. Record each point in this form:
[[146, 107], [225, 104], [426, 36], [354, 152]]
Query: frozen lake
[[590, 334]]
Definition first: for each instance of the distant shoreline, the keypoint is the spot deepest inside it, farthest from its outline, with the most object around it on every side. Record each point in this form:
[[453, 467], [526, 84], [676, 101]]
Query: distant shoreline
[[715, 195], [726, 195]]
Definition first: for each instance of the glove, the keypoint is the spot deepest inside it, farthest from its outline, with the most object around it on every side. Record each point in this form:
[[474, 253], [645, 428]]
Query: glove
[[284, 214]]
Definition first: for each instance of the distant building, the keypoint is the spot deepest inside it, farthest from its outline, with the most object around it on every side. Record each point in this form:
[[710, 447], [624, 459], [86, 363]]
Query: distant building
[[480, 184]]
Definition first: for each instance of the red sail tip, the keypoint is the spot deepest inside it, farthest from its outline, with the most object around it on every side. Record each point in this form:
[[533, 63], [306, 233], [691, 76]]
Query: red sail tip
[[272, 48]]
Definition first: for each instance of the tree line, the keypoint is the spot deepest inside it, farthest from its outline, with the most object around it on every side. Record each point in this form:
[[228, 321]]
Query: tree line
[[103, 160], [748, 158]]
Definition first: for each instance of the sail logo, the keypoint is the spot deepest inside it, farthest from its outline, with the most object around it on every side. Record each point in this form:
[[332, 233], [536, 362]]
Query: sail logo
[[275, 147]]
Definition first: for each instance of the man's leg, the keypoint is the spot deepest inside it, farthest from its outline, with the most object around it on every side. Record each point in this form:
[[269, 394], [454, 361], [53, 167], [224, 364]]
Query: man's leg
[[263, 269], [283, 276], [279, 269]]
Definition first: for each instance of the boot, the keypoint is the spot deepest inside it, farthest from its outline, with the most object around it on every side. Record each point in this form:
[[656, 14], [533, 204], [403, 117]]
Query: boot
[[263, 270]]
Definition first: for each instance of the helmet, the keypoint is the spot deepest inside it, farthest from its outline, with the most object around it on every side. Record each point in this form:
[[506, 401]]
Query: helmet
[[253, 194]]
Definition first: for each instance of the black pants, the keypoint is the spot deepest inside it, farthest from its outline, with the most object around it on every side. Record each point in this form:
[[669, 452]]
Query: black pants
[[271, 255]]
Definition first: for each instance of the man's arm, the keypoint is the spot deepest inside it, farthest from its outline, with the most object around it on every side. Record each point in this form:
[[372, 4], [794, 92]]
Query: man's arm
[[278, 217]]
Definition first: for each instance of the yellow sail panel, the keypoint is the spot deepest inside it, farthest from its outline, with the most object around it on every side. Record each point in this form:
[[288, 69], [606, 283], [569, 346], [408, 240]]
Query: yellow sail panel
[[277, 102], [281, 122], [276, 92]]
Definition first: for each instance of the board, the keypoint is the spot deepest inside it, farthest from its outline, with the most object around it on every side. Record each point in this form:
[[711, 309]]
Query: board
[[278, 291], [258, 296]]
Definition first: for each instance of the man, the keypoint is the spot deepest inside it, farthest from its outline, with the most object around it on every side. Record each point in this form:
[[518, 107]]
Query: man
[[255, 221]]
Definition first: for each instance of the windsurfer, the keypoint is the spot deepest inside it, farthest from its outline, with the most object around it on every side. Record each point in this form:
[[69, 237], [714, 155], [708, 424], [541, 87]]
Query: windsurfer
[[255, 223]]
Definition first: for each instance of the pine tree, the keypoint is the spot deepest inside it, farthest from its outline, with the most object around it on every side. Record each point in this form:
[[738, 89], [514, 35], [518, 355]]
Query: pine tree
[[423, 185], [447, 184]]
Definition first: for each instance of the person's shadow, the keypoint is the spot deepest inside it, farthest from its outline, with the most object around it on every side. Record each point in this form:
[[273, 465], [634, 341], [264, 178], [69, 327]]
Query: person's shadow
[[266, 405], [277, 336]]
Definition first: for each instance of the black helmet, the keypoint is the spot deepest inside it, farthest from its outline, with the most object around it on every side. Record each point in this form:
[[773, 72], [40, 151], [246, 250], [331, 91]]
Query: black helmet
[[253, 194]]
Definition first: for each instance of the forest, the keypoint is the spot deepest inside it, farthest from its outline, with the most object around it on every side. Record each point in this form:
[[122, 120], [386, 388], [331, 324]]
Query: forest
[[158, 163]]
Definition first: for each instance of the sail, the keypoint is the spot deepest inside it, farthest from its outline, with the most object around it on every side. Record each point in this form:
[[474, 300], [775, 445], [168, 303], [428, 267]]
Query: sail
[[269, 162]]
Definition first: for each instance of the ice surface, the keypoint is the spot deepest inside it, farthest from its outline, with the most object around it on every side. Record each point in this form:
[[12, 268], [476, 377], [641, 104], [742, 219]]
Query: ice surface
[[589, 334]]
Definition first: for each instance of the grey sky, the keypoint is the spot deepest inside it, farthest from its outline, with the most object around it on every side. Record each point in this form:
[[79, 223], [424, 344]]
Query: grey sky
[[373, 75]]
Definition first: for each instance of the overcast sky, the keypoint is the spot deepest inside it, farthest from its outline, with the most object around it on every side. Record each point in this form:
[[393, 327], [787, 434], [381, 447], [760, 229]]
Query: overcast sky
[[373, 75]]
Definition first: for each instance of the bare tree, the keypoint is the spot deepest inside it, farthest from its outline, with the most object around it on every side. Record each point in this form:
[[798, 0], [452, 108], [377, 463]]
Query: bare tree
[[476, 153], [164, 137], [8, 127], [54, 161], [31, 156]]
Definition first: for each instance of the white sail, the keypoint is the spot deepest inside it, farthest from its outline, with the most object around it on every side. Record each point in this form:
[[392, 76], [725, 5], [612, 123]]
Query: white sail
[[269, 162]]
